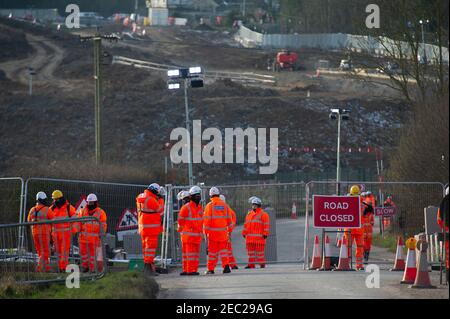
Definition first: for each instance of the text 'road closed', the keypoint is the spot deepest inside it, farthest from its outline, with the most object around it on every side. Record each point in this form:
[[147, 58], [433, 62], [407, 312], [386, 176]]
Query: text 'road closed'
[[336, 211]]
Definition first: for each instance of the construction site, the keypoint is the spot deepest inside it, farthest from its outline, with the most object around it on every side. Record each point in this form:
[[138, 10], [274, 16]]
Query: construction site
[[95, 102]]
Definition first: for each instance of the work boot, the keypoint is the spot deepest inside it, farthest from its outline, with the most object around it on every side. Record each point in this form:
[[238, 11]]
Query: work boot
[[209, 272], [183, 273], [192, 274], [262, 266], [235, 267], [227, 269], [249, 267]]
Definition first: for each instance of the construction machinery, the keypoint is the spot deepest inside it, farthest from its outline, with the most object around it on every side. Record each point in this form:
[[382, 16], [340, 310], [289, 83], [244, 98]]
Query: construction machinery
[[285, 60]]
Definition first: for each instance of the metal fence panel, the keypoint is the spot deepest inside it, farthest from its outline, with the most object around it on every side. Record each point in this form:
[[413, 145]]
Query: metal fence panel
[[410, 199], [11, 191], [36, 259], [286, 234]]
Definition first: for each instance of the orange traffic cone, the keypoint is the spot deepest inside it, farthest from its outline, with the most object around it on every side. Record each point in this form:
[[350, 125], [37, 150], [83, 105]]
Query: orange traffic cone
[[344, 263], [422, 277], [399, 264], [409, 275], [294, 211], [316, 259], [326, 261]]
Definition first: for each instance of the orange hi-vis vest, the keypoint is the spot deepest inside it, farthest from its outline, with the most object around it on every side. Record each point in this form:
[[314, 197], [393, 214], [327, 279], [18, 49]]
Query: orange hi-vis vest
[[149, 214], [39, 213], [190, 223], [90, 230], [217, 222], [63, 212], [257, 225]]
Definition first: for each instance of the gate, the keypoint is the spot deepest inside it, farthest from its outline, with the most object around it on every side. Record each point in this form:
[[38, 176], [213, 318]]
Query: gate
[[409, 198], [284, 243], [36, 258]]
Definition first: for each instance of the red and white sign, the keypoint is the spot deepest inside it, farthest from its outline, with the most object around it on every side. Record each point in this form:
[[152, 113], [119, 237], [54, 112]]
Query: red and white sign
[[128, 223], [385, 211], [80, 204], [336, 211]]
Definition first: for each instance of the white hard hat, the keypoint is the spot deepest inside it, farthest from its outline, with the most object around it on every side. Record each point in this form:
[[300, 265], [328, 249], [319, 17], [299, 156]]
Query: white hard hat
[[41, 196], [255, 200], [182, 195], [214, 191], [368, 193], [154, 187], [250, 199], [162, 191], [364, 194], [222, 197], [195, 190], [91, 198]]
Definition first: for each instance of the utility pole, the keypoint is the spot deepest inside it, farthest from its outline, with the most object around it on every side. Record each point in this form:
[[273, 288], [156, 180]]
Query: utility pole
[[97, 41], [188, 128]]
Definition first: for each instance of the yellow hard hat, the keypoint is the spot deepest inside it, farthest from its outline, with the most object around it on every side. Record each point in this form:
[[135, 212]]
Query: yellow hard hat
[[57, 194], [354, 190]]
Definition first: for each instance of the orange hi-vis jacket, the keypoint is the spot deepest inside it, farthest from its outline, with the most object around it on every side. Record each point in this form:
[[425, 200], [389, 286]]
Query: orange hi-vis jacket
[[359, 231], [190, 223], [217, 222], [233, 218], [256, 225], [149, 214], [90, 231], [39, 213], [63, 212]]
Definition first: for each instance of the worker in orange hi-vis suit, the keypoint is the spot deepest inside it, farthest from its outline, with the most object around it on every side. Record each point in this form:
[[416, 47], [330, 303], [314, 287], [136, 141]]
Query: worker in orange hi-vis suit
[[190, 226], [388, 203], [149, 225], [357, 234], [231, 259], [41, 233], [443, 221], [217, 225], [62, 232], [256, 229], [368, 220], [90, 232]]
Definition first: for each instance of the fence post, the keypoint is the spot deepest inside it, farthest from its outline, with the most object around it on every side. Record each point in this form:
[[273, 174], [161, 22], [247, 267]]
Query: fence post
[[306, 238]]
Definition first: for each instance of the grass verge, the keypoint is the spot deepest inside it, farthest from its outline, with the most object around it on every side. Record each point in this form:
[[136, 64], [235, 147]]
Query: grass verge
[[386, 241], [119, 285]]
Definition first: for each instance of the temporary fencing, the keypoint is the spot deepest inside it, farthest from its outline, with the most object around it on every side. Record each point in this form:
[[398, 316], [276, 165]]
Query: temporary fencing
[[11, 199], [408, 200], [47, 247]]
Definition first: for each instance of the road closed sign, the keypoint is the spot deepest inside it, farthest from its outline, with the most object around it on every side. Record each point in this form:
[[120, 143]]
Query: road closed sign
[[336, 211]]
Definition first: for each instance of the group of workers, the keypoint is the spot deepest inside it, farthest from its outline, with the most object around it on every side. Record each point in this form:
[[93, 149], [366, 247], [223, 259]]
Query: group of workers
[[214, 224], [60, 234]]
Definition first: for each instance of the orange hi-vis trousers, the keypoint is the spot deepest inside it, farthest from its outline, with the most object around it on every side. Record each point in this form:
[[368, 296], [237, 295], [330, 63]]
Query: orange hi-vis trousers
[[42, 244], [190, 256], [217, 249], [149, 245], [62, 240], [231, 259], [368, 238], [255, 251], [88, 252], [358, 239]]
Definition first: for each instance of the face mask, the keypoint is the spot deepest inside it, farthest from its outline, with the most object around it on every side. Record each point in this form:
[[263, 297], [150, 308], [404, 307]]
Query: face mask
[[196, 199], [92, 206], [60, 201]]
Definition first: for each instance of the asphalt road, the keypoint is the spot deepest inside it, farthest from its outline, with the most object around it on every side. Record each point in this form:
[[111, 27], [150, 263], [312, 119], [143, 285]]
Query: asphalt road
[[289, 280]]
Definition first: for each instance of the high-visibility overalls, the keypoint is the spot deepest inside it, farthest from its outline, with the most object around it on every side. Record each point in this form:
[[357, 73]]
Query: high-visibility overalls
[[89, 238], [190, 227], [41, 236], [357, 235], [62, 232], [231, 259], [256, 228], [368, 221], [149, 224], [444, 211], [217, 225]]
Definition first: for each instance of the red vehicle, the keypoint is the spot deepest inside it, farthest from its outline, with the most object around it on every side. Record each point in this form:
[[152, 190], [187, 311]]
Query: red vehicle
[[286, 60]]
